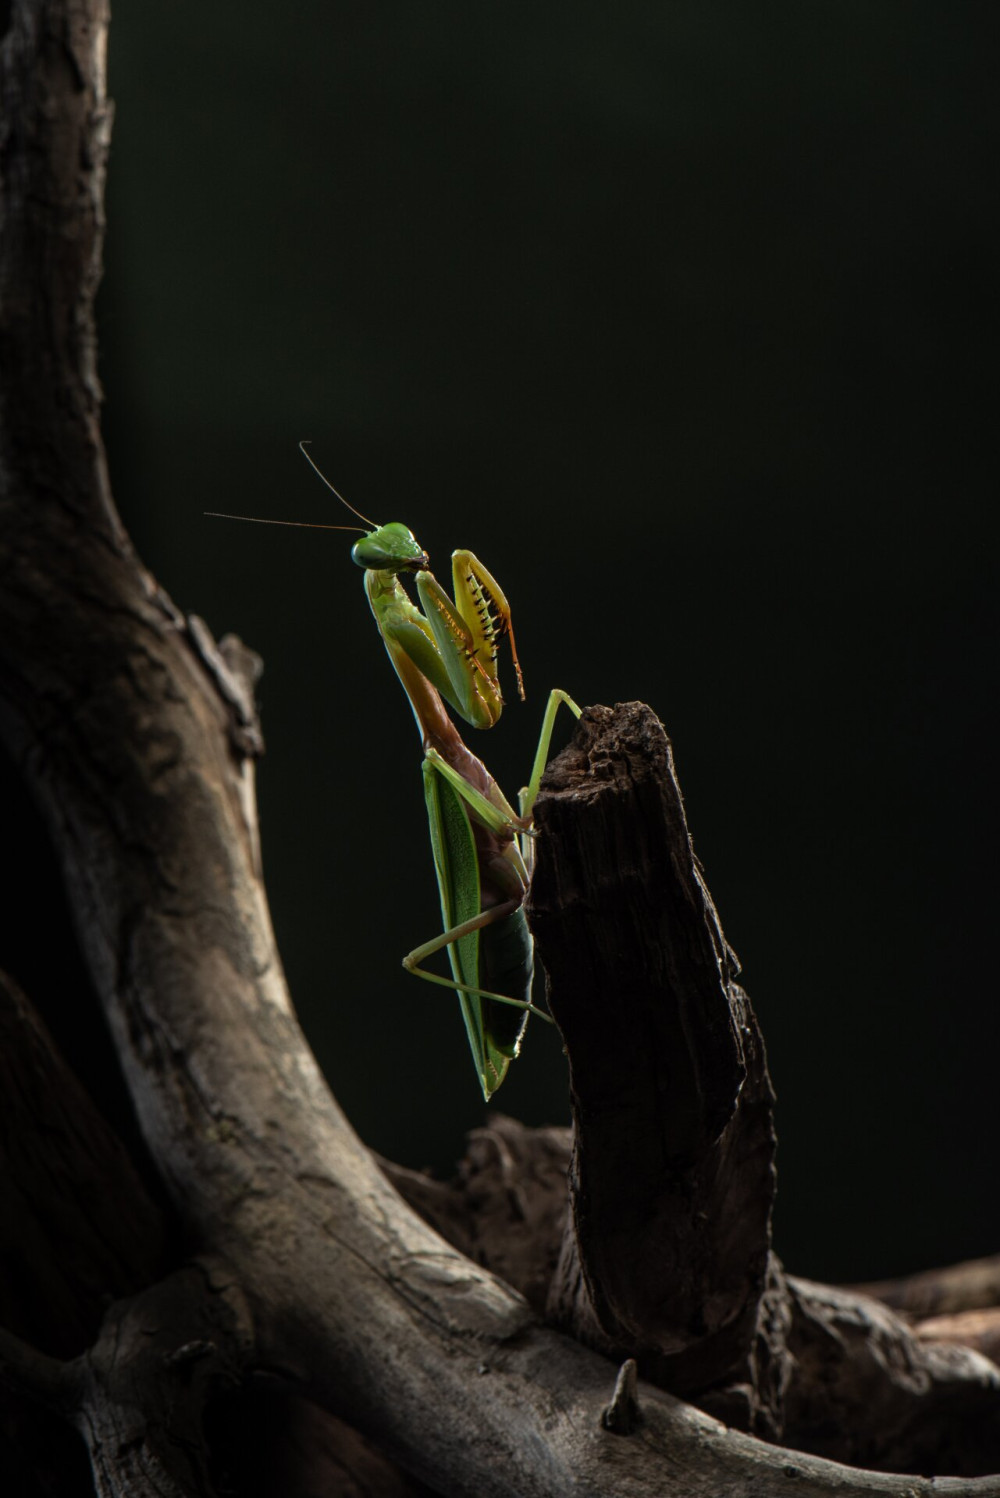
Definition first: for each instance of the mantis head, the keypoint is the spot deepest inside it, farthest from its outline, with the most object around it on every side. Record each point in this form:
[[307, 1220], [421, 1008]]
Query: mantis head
[[390, 548]]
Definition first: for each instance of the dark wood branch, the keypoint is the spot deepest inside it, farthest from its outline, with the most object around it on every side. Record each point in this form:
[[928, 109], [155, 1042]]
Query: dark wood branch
[[959, 1304], [64, 1179], [78, 1229], [45, 1380], [81, 1228], [139, 1395], [146, 1383], [667, 1252], [666, 1257], [54, 133], [867, 1390], [970, 1286], [805, 1351], [507, 1206], [267, 1440], [139, 751], [861, 1384], [979, 1330]]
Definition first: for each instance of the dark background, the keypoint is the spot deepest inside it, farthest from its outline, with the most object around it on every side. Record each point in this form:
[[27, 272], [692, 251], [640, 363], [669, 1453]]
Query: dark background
[[677, 315]]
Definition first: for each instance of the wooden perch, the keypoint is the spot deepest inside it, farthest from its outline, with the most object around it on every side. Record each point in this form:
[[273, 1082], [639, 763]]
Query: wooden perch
[[960, 1303], [971, 1286], [304, 1270], [666, 1253], [65, 1179], [861, 1385], [66, 1182]]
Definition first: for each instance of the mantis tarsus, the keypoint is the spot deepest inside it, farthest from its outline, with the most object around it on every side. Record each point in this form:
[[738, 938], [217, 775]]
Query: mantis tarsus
[[447, 649]]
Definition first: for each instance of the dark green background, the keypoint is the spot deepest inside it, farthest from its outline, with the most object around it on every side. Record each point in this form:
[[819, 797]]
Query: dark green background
[[675, 314]]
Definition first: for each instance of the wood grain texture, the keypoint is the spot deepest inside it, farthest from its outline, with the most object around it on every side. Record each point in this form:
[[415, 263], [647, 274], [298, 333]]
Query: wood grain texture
[[667, 1253], [138, 746]]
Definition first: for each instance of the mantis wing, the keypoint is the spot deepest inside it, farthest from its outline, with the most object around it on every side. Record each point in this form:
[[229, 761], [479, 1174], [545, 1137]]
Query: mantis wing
[[457, 868]]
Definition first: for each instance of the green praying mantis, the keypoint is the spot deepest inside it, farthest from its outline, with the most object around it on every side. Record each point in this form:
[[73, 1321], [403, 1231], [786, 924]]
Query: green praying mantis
[[446, 651]]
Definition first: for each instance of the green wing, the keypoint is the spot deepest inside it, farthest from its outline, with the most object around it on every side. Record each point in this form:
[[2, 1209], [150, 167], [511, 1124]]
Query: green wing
[[457, 869]]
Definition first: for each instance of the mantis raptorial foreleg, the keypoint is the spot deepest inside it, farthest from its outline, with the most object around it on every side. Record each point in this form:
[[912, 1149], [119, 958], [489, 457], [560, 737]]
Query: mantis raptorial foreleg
[[467, 633]]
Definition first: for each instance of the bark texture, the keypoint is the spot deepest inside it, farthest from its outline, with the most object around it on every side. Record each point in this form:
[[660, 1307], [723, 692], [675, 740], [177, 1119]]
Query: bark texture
[[666, 1252], [280, 1265], [973, 1285]]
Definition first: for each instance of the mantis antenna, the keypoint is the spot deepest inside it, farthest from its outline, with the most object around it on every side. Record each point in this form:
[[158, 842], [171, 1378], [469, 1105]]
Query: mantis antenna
[[308, 525], [317, 470]]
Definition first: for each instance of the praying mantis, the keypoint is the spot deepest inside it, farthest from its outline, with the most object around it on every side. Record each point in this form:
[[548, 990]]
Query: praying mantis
[[446, 651]]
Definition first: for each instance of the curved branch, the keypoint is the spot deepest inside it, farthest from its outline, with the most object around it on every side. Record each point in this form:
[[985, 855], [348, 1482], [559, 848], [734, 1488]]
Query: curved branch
[[45, 1380], [145, 1385], [970, 1286], [667, 1254], [139, 757], [64, 1178]]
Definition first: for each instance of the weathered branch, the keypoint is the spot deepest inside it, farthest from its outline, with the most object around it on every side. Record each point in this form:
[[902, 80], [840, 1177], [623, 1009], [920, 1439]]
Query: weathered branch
[[507, 1206], [971, 1286], [979, 1330], [138, 749], [64, 1178], [138, 1397], [667, 1251], [959, 1304], [865, 1388], [67, 1183], [666, 1256], [35, 1374], [861, 1385], [145, 1385]]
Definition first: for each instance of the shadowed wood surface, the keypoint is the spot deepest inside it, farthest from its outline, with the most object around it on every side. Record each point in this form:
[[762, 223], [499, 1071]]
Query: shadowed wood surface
[[672, 1179], [296, 1261], [971, 1286]]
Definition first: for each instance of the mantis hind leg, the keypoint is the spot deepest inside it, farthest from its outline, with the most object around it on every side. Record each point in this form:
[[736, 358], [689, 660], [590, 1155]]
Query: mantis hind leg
[[413, 960]]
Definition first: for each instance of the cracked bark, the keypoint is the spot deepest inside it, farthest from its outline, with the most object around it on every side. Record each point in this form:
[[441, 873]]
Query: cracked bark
[[310, 1277]]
